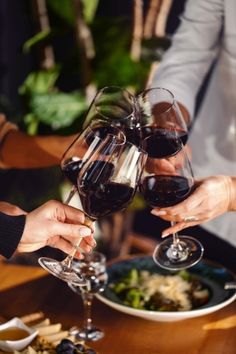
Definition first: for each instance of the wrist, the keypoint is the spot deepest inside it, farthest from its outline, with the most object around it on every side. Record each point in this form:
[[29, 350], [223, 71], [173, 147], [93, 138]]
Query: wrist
[[232, 195]]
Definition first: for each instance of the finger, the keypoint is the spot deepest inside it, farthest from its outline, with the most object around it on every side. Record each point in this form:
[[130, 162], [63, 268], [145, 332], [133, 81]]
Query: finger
[[70, 232], [89, 240], [85, 248], [65, 246], [178, 227], [173, 229], [166, 216], [191, 205], [72, 215], [87, 244]]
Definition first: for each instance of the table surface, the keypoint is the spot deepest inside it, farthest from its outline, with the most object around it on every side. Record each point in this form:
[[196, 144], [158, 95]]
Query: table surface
[[26, 289]]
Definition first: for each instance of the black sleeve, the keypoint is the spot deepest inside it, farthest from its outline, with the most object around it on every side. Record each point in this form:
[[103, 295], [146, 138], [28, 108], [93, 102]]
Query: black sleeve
[[11, 230]]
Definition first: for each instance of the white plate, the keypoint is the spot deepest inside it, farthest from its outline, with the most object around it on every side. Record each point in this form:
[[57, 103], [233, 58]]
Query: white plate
[[11, 345], [212, 275]]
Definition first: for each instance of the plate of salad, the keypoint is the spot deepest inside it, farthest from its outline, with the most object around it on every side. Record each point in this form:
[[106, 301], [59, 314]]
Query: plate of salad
[[138, 287]]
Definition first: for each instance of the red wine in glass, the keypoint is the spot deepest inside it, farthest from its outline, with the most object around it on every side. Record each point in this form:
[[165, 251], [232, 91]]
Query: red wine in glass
[[161, 122], [160, 142], [101, 196], [71, 170], [165, 190], [81, 149], [107, 184]]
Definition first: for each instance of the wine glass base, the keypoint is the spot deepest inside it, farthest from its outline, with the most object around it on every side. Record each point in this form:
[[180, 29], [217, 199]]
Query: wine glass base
[[90, 335], [186, 253], [59, 270]]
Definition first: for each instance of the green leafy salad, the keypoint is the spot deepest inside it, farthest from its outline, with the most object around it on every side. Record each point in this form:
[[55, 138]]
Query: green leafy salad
[[157, 292]]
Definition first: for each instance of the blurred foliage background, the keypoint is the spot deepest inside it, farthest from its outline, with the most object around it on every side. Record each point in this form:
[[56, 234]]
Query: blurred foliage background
[[55, 55]]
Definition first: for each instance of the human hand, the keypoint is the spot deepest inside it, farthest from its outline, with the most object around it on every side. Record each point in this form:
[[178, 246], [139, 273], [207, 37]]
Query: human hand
[[11, 209], [212, 197], [57, 225]]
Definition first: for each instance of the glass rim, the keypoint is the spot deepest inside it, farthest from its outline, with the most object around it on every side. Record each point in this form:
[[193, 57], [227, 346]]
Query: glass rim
[[120, 88], [172, 103]]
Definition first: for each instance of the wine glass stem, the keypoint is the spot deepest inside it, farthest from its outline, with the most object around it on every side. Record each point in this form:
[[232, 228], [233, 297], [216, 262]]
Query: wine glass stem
[[87, 302], [66, 263], [70, 195], [175, 235]]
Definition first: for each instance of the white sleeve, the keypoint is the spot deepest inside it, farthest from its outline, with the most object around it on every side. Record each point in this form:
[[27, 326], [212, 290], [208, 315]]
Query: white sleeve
[[194, 47]]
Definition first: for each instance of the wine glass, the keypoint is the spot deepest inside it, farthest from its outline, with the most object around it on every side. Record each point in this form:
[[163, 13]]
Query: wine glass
[[81, 149], [93, 269], [117, 107], [162, 121], [167, 182], [107, 182], [75, 157]]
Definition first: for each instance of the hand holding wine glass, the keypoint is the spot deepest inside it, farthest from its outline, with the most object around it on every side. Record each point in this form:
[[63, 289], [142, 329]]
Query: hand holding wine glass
[[78, 153], [212, 197], [163, 187]]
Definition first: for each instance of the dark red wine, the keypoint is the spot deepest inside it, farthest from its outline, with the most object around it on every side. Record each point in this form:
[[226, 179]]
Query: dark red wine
[[132, 135], [160, 143], [71, 170], [164, 190], [99, 196]]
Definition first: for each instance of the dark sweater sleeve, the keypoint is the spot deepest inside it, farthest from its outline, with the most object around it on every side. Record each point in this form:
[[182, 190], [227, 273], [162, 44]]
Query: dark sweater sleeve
[[11, 230]]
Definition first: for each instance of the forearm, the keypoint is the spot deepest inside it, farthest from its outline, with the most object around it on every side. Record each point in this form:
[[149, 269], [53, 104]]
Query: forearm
[[194, 47], [23, 151], [232, 204]]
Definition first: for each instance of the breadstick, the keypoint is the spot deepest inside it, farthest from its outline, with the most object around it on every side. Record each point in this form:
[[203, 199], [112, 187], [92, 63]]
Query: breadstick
[[32, 317]]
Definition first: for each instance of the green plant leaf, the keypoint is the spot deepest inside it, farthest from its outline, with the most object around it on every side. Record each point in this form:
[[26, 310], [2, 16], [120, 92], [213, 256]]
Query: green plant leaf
[[89, 9], [32, 124], [39, 37], [63, 9], [113, 65], [58, 109], [40, 81]]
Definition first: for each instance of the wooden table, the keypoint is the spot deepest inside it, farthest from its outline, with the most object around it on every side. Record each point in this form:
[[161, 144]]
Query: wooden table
[[26, 289]]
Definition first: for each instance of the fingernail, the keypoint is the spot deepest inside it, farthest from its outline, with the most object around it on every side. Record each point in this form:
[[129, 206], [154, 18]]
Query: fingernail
[[158, 212], [79, 255], [165, 235], [94, 243], [84, 231]]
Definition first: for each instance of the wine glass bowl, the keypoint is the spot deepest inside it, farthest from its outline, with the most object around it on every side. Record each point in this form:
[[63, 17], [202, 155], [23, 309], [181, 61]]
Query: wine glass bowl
[[83, 146], [161, 121], [115, 106], [107, 183], [93, 269]]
